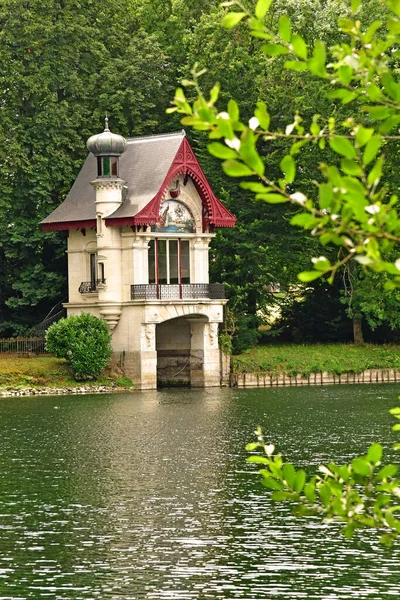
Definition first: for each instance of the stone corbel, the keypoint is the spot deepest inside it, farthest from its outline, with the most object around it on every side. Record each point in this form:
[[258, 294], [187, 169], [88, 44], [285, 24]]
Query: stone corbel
[[111, 316]]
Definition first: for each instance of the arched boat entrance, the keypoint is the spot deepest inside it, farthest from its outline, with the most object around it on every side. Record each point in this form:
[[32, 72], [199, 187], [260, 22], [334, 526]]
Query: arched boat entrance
[[187, 352]]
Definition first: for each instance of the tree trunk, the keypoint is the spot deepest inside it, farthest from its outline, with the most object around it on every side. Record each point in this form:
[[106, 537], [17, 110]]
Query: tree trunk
[[357, 332]]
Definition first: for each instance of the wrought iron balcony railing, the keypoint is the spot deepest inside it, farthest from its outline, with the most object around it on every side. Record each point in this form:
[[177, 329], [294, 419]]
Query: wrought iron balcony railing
[[184, 291], [89, 287]]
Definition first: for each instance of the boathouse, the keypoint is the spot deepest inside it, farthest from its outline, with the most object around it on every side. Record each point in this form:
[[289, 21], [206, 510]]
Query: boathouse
[[140, 217]]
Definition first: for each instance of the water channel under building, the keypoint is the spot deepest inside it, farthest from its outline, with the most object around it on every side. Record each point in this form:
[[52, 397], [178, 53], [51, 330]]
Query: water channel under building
[[147, 495]]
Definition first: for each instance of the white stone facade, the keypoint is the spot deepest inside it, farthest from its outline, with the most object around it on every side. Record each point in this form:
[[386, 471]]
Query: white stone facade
[[120, 258], [140, 217]]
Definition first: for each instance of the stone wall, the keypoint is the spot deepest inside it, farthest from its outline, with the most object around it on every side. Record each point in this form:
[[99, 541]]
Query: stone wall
[[264, 380]]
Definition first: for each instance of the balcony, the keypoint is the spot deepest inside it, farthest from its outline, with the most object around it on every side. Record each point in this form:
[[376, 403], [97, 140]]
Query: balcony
[[91, 287], [184, 291]]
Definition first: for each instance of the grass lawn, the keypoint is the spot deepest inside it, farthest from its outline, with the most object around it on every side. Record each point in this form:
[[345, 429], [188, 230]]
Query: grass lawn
[[44, 371], [316, 358]]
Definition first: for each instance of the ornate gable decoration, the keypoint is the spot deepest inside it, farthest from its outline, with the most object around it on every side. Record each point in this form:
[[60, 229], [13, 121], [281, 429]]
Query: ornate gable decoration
[[185, 163]]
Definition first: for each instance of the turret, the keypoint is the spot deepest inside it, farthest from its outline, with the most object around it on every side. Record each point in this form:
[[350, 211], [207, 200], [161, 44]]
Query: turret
[[107, 147]]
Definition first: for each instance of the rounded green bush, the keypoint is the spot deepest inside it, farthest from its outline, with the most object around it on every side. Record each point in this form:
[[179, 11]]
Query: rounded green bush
[[84, 341]]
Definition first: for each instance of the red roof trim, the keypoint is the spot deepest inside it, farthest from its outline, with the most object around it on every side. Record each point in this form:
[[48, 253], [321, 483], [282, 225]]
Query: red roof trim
[[185, 163], [89, 224]]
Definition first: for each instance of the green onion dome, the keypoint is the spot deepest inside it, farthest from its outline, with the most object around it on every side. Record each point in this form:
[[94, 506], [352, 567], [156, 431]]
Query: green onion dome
[[106, 143]]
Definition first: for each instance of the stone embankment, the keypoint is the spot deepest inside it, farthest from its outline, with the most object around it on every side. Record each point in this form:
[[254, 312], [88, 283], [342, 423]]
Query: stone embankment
[[84, 389], [265, 380]]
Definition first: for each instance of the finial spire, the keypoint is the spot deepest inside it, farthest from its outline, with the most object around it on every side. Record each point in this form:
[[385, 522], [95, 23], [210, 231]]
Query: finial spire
[[106, 123]]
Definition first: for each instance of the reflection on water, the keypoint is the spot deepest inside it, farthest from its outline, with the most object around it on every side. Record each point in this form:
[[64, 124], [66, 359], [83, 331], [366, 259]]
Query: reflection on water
[[147, 495]]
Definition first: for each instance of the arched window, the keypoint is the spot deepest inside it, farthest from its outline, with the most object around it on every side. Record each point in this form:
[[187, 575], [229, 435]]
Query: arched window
[[174, 217]]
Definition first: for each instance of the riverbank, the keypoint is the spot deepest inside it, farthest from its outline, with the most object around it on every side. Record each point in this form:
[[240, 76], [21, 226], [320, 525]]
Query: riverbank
[[44, 375], [303, 361]]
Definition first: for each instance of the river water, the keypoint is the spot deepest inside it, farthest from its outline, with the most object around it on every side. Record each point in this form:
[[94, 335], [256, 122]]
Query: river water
[[147, 496]]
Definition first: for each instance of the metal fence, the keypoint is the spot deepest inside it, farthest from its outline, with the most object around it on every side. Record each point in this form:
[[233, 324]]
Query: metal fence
[[34, 345]]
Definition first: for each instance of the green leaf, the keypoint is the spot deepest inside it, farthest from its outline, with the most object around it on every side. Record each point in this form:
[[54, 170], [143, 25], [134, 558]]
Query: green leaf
[[348, 531], [389, 124], [257, 459], [233, 110], [214, 93], [295, 65], [372, 29], [355, 4], [363, 135], [288, 167], [325, 494], [345, 96], [274, 49], [316, 64], [361, 466], [374, 454], [354, 186], [271, 484], [387, 540], [299, 46], [345, 74], [232, 19], [272, 198], [299, 481], [262, 8], [253, 446], [262, 115], [309, 491], [249, 153], [393, 26], [385, 472], [372, 149], [289, 474], [325, 195], [350, 167], [342, 146], [306, 276], [379, 113], [376, 172], [374, 92], [234, 168], [396, 427], [303, 220], [395, 411], [284, 28], [254, 186], [221, 151], [281, 495], [321, 264], [395, 6]]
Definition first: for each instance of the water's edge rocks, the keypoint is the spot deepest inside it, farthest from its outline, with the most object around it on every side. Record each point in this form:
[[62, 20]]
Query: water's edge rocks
[[48, 391]]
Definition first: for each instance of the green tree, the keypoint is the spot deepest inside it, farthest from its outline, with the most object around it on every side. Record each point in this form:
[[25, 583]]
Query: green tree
[[248, 75], [62, 67], [84, 341]]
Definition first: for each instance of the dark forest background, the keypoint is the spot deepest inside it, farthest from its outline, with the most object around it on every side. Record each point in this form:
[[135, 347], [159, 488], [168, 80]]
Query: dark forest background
[[64, 64]]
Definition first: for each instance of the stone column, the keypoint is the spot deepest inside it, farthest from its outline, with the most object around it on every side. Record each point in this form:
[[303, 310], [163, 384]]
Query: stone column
[[212, 365], [200, 260], [204, 354], [109, 250], [148, 357], [140, 248]]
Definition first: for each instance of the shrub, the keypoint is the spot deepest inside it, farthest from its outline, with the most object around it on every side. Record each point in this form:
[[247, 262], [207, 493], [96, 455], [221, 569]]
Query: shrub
[[84, 341]]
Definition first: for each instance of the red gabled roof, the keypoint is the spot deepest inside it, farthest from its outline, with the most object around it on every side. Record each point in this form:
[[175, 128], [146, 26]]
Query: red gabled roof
[[148, 165], [184, 163]]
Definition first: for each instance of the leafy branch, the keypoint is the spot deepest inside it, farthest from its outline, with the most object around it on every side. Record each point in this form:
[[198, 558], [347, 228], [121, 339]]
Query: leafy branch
[[351, 207], [363, 494]]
